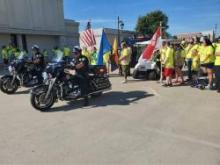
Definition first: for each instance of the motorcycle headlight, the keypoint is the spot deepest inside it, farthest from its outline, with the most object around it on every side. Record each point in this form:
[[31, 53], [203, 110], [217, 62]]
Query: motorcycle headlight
[[11, 69], [45, 75]]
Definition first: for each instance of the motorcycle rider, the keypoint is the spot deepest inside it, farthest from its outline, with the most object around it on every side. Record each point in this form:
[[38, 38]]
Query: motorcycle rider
[[81, 66], [38, 61]]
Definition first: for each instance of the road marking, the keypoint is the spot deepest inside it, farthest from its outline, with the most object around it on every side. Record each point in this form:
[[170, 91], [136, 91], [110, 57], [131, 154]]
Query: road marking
[[154, 92], [185, 138]]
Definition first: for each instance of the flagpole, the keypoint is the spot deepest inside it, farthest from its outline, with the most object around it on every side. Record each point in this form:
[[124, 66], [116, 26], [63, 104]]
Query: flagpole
[[161, 65]]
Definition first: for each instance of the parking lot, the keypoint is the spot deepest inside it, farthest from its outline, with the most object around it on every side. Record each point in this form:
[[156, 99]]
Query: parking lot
[[135, 123]]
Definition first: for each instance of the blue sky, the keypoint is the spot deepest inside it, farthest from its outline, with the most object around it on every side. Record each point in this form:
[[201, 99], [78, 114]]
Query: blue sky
[[184, 16]]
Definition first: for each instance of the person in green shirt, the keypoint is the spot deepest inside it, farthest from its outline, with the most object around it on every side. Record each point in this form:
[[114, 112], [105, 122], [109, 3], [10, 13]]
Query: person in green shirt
[[17, 53], [94, 57], [11, 50], [4, 55], [57, 52]]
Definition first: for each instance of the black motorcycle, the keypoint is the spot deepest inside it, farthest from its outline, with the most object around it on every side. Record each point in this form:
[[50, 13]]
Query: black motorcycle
[[21, 74], [62, 85]]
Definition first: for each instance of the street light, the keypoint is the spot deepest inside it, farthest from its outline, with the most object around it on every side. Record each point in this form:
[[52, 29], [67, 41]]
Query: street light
[[120, 27]]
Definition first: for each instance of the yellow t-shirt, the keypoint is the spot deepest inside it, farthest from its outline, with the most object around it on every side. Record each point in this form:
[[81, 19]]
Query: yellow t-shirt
[[205, 52], [106, 57], [183, 53], [195, 63], [66, 52], [217, 58], [191, 50], [125, 54], [169, 58], [87, 54], [162, 53], [4, 54]]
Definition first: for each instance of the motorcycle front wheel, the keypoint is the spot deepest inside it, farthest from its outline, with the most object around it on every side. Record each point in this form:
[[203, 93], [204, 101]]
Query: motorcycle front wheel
[[7, 86], [39, 102]]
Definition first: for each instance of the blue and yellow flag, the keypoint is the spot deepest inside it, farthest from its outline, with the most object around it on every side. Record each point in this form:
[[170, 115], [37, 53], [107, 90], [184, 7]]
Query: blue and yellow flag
[[104, 51]]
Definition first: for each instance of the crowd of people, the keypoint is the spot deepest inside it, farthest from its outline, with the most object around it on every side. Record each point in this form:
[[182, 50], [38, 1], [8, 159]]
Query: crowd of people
[[199, 55], [10, 52]]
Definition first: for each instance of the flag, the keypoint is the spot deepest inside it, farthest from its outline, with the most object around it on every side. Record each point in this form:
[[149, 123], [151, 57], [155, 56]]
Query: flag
[[105, 49], [87, 37], [115, 51], [115, 56], [148, 52]]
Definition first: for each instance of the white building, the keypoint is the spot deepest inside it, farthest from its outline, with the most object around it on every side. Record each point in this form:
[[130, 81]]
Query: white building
[[111, 34], [28, 22], [210, 34]]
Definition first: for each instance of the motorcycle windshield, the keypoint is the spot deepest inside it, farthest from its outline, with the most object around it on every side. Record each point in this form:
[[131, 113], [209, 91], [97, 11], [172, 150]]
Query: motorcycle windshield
[[22, 56], [58, 58]]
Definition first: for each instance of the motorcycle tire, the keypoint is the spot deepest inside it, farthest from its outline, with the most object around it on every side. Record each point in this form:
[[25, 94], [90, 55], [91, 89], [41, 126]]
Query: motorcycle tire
[[6, 86], [36, 101]]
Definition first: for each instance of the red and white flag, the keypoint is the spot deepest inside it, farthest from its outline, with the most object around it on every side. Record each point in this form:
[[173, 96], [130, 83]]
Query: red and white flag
[[149, 50], [87, 37]]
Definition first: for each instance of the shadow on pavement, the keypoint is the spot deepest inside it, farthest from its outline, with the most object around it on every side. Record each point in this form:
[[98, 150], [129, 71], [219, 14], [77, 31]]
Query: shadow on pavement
[[22, 92], [108, 99]]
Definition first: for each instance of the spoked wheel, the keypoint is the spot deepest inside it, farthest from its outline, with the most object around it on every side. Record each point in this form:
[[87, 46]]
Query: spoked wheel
[[7, 86], [39, 102]]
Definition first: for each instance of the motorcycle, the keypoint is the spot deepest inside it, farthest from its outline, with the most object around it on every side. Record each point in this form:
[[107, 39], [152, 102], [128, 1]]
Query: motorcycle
[[21, 74], [61, 84]]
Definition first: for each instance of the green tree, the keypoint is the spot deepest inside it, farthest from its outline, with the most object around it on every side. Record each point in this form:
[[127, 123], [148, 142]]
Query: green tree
[[148, 24]]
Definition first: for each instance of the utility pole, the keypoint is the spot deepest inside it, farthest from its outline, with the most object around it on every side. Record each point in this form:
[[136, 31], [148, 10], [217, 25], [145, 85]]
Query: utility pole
[[216, 28], [118, 30], [120, 27]]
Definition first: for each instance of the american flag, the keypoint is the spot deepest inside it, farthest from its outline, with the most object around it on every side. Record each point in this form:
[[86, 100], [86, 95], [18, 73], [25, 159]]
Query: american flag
[[87, 37]]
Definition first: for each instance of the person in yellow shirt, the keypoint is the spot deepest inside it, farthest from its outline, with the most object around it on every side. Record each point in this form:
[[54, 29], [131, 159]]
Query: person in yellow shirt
[[179, 62], [207, 60], [66, 51], [195, 67], [162, 58], [190, 50], [125, 60], [217, 66], [169, 64]]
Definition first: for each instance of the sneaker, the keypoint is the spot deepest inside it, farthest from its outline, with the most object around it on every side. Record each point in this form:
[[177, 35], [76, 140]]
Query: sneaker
[[124, 82], [165, 85], [208, 87]]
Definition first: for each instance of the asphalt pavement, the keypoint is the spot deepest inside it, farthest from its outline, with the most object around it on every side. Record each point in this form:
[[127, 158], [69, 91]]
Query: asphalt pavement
[[135, 123]]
